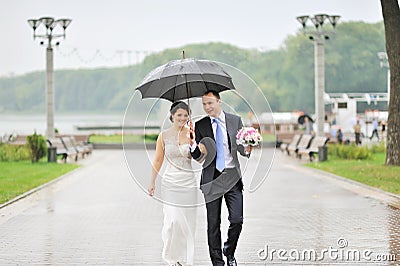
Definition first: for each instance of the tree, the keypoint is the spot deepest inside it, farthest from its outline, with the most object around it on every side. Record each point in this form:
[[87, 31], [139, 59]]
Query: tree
[[391, 18], [285, 75]]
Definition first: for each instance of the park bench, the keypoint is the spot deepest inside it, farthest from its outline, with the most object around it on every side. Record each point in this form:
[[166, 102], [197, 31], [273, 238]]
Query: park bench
[[62, 150], [304, 143], [283, 137], [313, 149], [70, 143], [83, 140], [295, 140], [86, 148]]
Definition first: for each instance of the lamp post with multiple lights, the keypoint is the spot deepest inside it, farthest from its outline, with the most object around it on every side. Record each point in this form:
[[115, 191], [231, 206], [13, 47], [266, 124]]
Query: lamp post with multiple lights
[[318, 34], [48, 35]]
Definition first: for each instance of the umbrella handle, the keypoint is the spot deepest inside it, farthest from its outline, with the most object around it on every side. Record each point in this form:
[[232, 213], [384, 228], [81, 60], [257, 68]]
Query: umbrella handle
[[191, 128]]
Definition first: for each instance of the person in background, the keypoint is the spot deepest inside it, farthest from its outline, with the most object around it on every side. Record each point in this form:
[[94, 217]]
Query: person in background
[[339, 136], [374, 130], [383, 124], [308, 126], [357, 132]]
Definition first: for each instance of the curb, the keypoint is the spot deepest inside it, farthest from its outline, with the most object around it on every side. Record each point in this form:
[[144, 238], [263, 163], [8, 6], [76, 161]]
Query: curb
[[388, 198], [36, 189]]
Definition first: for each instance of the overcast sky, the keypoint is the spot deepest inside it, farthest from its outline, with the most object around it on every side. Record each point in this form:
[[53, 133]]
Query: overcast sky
[[118, 32]]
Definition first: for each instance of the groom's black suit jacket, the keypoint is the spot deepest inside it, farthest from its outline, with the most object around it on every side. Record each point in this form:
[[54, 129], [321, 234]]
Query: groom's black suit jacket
[[203, 130]]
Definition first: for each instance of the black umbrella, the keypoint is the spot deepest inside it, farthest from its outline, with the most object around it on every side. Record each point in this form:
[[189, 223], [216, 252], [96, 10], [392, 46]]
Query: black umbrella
[[301, 119], [183, 79]]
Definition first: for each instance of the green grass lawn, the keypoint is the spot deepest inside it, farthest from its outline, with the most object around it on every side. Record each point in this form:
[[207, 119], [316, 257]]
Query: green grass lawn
[[268, 137], [372, 172], [19, 177]]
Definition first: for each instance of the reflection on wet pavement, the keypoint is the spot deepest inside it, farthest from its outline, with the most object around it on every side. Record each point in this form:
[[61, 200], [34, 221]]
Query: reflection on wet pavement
[[101, 216]]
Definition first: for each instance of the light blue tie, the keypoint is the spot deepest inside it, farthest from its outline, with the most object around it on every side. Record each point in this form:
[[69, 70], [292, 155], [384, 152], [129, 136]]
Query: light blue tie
[[220, 163]]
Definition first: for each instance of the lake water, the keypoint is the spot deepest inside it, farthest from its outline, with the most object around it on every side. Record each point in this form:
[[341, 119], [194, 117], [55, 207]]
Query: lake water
[[65, 123]]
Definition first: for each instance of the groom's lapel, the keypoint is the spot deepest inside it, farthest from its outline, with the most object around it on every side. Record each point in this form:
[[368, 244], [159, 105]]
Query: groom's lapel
[[230, 129], [208, 128]]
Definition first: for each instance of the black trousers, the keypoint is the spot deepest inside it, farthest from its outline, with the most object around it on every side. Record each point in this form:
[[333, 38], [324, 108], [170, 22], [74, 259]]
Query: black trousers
[[374, 132], [234, 203], [358, 138]]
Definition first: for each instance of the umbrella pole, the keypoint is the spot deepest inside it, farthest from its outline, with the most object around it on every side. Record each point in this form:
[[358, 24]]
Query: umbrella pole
[[188, 96], [188, 101]]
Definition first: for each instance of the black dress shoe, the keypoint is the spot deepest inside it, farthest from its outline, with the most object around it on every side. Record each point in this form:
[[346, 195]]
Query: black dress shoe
[[230, 260]]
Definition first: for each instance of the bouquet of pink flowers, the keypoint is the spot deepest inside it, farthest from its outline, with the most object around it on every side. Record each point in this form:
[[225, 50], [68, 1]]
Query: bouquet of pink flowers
[[248, 136]]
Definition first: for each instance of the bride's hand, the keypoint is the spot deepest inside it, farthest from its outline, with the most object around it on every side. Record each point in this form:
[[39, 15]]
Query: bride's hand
[[191, 136], [151, 189]]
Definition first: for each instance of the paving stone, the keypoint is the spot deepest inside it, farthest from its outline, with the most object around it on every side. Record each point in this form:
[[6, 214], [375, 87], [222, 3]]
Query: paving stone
[[100, 216]]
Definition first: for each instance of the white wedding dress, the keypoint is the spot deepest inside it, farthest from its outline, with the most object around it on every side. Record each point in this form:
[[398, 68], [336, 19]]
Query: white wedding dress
[[179, 194]]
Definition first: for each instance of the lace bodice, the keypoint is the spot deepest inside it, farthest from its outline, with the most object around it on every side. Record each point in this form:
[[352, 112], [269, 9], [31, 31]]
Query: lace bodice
[[177, 155]]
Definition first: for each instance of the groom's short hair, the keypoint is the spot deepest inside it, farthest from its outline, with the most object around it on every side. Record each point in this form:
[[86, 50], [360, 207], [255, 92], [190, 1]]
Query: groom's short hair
[[215, 93]]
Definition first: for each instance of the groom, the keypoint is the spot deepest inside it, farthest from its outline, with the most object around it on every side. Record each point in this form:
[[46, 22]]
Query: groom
[[221, 177]]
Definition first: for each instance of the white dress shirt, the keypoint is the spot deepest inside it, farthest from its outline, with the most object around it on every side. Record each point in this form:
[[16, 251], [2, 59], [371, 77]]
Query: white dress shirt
[[222, 123], [227, 154]]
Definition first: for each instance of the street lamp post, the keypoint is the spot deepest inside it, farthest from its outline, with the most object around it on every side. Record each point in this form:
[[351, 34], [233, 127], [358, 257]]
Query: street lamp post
[[319, 35], [49, 23], [385, 64]]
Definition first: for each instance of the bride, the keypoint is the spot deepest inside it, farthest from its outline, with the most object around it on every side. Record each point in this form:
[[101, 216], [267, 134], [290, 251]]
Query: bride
[[178, 188]]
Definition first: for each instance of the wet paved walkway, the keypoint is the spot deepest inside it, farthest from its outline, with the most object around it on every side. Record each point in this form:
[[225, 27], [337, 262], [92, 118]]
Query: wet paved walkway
[[99, 215]]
